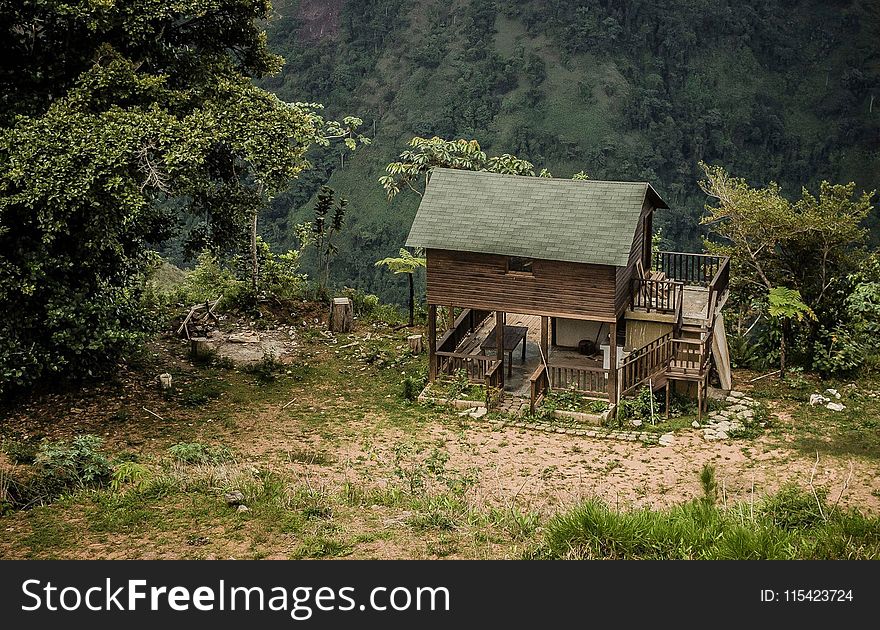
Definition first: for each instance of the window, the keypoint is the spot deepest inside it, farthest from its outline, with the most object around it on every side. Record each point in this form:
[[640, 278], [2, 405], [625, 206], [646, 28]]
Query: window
[[519, 264]]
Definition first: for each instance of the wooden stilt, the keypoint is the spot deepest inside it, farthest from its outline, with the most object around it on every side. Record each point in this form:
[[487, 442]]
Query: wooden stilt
[[432, 342], [499, 341], [668, 397], [545, 339], [612, 365]]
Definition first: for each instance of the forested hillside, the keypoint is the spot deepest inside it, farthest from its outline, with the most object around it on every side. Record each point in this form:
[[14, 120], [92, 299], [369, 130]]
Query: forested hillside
[[772, 89]]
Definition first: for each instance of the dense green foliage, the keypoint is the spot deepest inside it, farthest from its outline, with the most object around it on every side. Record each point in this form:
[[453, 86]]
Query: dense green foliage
[[118, 121], [772, 89]]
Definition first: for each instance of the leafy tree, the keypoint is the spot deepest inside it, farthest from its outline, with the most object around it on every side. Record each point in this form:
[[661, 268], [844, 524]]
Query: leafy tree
[[113, 117], [415, 164], [813, 244], [322, 230], [408, 264], [785, 306]]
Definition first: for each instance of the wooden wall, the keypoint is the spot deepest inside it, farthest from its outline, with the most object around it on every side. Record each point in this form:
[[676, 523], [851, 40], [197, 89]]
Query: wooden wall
[[555, 288], [640, 249]]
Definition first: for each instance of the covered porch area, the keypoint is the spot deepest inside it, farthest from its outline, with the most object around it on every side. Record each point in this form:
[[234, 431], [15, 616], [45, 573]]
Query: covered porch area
[[518, 353]]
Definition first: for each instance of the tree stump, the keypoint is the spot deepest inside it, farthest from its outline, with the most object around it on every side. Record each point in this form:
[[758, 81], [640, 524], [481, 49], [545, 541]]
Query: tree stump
[[198, 348], [341, 315], [416, 345]]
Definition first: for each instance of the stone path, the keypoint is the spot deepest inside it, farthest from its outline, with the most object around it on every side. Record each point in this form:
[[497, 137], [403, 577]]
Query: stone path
[[514, 406], [721, 424]]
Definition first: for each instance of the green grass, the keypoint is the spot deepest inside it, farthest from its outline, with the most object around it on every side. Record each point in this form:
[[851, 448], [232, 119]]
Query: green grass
[[790, 525]]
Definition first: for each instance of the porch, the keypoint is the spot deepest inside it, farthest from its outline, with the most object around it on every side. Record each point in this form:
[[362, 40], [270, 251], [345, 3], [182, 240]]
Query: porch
[[528, 356]]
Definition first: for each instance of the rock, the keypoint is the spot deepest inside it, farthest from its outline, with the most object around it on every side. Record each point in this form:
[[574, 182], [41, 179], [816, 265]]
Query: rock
[[667, 439], [833, 392], [817, 399], [833, 406], [242, 509], [466, 412], [479, 412], [737, 408], [736, 394], [695, 424], [722, 435], [234, 498], [243, 338], [636, 422]]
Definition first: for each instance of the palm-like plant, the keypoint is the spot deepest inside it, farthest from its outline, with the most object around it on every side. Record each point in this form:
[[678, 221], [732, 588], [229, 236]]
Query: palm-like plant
[[405, 263], [786, 305]]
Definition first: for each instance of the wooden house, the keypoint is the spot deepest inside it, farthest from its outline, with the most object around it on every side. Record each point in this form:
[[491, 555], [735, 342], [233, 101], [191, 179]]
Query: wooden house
[[570, 262]]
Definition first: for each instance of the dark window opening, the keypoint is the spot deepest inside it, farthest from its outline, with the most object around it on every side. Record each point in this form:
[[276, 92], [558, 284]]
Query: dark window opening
[[519, 264]]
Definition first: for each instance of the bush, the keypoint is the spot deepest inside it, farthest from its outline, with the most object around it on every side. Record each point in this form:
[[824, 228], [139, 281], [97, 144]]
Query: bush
[[266, 370], [411, 387], [60, 467], [198, 453]]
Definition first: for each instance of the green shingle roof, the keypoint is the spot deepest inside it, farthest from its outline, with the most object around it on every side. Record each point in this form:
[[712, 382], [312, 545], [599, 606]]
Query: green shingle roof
[[535, 217]]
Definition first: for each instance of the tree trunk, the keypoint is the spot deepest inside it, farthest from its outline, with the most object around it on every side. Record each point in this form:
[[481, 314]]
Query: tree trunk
[[412, 301], [255, 262], [782, 354], [341, 315], [416, 346]]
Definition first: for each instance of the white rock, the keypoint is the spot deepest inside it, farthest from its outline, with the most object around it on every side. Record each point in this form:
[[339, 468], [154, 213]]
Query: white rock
[[722, 435], [833, 392], [817, 399], [736, 394], [695, 424], [479, 412], [242, 509], [667, 439], [636, 422], [833, 406]]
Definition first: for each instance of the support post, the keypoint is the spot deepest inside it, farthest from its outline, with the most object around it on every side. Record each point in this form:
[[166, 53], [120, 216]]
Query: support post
[[612, 364], [499, 341], [668, 396], [432, 342], [545, 339]]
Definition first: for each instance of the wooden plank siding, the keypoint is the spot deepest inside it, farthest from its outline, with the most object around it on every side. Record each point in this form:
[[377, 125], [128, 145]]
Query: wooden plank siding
[[640, 250], [554, 288]]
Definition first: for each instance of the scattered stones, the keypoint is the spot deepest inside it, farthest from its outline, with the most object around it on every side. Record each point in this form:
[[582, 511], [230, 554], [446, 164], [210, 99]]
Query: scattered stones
[[834, 406], [234, 498], [242, 509], [817, 399], [667, 439]]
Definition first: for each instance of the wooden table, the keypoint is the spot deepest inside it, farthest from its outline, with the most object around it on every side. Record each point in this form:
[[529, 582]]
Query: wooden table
[[513, 335]]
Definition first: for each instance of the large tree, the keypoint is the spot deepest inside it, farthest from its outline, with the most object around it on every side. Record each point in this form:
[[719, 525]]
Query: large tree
[[116, 117]]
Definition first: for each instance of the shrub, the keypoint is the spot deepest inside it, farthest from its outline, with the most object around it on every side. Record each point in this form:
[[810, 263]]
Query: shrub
[[198, 453], [411, 387], [266, 370], [21, 451]]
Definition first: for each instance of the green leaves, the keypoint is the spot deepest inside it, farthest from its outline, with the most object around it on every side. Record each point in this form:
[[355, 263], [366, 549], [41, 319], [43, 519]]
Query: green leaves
[[785, 303], [404, 263]]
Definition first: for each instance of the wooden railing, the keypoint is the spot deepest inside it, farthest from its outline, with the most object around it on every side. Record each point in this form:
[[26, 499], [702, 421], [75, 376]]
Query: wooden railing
[[476, 366], [494, 381], [663, 296], [691, 356], [694, 269], [467, 321], [589, 380], [539, 382], [643, 364], [718, 285]]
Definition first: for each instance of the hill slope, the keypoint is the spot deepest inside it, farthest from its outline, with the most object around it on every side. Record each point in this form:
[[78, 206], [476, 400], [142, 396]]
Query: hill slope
[[772, 89]]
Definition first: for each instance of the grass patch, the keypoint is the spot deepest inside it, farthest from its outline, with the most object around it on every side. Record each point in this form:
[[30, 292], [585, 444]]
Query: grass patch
[[791, 524]]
